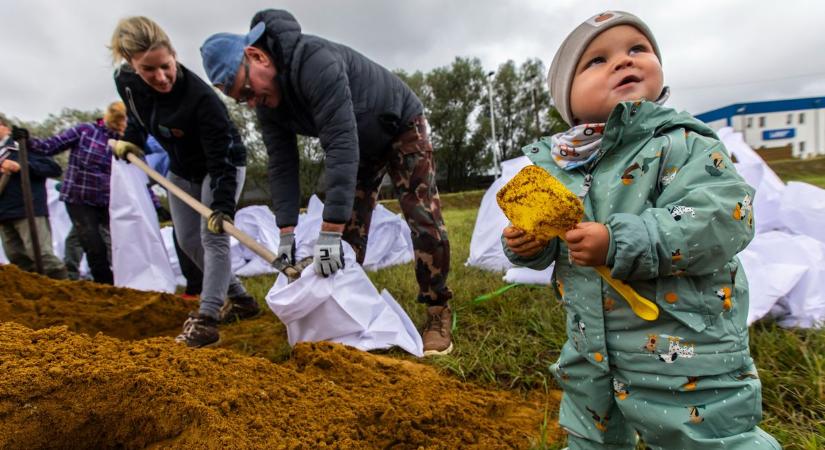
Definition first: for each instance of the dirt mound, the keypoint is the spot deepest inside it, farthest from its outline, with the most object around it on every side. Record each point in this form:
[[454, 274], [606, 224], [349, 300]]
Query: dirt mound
[[39, 302], [68, 390]]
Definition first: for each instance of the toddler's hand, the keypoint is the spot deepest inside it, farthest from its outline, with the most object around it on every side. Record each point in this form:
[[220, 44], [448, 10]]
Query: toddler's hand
[[521, 243], [588, 244]]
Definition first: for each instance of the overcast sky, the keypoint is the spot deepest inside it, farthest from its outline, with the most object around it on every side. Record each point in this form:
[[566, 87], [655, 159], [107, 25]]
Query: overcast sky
[[714, 53]]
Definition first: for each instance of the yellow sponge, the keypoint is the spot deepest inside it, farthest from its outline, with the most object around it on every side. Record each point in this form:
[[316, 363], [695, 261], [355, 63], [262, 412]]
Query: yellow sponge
[[539, 204]]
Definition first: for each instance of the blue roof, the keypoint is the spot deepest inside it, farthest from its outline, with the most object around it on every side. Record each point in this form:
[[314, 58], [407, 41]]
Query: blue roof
[[737, 109]]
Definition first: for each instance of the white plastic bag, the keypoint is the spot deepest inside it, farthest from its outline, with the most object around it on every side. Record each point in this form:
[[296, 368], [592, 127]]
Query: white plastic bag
[[389, 236], [344, 308], [259, 223], [139, 258]]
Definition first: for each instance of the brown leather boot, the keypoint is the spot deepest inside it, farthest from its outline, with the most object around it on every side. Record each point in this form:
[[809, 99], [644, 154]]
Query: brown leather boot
[[436, 334]]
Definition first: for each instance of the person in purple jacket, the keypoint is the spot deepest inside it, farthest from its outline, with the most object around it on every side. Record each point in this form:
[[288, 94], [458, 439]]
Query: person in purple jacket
[[85, 188]]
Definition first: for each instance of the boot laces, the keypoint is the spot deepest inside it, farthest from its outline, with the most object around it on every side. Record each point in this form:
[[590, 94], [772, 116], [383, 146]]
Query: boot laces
[[436, 323]]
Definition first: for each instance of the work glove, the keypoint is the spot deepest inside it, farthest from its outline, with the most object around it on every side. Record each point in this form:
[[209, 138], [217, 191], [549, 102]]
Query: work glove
[[215, 221], [122, 148], [19, 133], [328, 256], [286, 248]]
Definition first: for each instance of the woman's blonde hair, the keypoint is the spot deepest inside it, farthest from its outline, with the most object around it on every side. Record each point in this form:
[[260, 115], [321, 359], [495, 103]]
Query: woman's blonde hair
[[115, 114], [135, 35]]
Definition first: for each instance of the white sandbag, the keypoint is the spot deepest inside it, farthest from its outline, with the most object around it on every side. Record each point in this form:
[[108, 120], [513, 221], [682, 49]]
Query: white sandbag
[[803, 305], [486, 251], [524, 275], [139, 258], [59, 219], [344, 308], [767, 281], [485, 244], [61, 226], [389, 241], [802, 210], [259, 223]]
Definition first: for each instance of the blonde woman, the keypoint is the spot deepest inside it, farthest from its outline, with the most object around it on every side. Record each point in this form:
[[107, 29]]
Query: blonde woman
[[85, 187], [207, 159]]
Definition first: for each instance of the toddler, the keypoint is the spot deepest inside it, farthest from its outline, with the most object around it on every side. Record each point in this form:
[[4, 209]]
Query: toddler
[[667, 212]]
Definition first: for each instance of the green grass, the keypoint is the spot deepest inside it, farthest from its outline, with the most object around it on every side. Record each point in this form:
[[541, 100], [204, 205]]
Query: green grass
[[509, 341], [809, 170]]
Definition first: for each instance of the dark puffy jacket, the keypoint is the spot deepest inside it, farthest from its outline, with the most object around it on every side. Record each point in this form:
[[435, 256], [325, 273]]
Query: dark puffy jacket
[[192, 124], [329, 91], [11, 200]]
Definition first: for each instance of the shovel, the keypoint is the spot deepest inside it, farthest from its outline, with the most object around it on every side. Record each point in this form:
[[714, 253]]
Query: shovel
[[292, 272]]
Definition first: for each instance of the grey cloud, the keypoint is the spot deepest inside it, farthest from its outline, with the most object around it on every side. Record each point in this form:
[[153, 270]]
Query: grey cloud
[[54, 53]]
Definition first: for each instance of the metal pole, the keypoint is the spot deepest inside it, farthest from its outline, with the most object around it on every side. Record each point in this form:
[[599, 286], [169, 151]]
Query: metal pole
[[496, 149], [28, 204], [535, 112]]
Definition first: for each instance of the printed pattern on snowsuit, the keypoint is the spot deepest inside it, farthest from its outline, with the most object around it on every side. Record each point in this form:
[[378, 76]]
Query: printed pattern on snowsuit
[[412, 170]]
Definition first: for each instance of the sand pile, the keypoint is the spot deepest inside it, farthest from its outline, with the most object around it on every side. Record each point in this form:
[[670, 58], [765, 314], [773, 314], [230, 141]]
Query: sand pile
[[69, 387], [61, 389], [39, 302]]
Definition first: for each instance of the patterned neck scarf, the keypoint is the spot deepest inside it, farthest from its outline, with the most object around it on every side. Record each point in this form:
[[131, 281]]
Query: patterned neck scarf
[[577, 146], [580, 145]]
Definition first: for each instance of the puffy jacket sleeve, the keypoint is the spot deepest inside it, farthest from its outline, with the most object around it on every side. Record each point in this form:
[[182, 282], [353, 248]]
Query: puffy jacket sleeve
[[283, 167], [325, 85], [218, 142], [699, 221]]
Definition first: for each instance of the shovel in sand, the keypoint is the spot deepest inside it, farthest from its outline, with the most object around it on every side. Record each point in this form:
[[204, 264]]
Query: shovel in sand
[[539, 204], [292, 272]]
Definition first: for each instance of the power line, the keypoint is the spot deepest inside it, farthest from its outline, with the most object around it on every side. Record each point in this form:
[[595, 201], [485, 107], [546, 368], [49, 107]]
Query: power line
[[742, 83]]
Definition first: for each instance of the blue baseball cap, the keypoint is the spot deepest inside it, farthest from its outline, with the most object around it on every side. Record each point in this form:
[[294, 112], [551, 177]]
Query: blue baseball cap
[[222, 54]]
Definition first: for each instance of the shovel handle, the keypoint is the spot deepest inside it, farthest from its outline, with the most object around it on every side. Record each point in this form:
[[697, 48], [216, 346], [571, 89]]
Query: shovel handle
[[202, 209]]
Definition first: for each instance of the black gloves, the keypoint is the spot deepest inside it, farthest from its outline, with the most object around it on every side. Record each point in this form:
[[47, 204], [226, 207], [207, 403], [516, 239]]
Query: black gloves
[[19, 133], [215, 221]]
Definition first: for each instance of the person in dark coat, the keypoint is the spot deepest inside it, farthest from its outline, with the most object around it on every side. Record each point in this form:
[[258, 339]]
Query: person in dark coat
[[15, 230], [207, 160], [369, 123]]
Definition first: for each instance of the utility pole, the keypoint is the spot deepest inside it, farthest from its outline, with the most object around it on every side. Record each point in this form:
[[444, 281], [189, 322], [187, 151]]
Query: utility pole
[[531, 80], [535, 112], [496, 149]]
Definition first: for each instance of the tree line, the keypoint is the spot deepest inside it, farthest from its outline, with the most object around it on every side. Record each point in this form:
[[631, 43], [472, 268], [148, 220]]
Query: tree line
[[457, 103]]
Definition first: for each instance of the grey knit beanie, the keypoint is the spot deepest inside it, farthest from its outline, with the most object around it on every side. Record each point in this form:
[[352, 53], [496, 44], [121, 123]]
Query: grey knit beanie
[[563, 67]]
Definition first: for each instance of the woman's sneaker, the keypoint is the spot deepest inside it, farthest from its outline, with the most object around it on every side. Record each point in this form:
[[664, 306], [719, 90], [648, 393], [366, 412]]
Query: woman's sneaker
[[239, 308], [199, 331]]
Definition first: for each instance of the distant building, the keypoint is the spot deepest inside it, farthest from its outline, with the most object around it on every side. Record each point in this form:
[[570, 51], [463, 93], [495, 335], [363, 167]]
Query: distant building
[[776, 129]]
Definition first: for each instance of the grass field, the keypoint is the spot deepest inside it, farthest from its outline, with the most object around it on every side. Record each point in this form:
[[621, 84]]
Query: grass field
[[809, 170], [510, 340]]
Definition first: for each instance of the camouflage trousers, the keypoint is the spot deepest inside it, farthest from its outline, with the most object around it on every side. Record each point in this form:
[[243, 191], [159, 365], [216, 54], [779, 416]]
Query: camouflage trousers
[[412, 170]]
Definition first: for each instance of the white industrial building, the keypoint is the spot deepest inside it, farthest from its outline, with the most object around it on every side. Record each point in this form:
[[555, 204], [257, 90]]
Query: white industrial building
[[776, 129]]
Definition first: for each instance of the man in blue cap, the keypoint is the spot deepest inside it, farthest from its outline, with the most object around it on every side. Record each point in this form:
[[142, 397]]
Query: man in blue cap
[[369, 123]]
